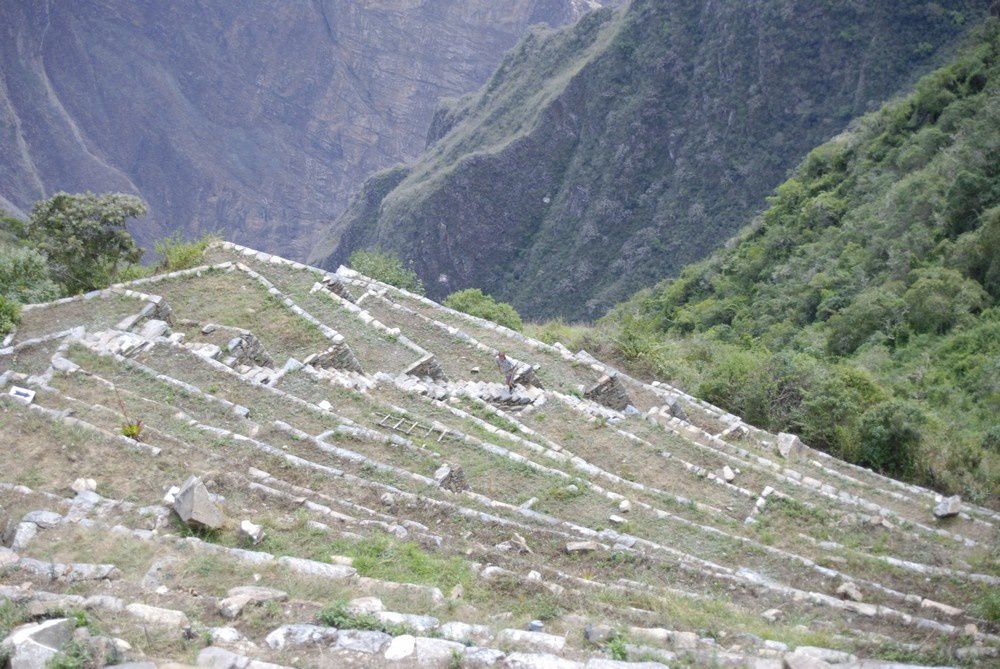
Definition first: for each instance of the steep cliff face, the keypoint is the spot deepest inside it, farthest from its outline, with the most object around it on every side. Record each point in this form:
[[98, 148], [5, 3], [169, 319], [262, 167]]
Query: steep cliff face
[[605, 156], [255, 119]]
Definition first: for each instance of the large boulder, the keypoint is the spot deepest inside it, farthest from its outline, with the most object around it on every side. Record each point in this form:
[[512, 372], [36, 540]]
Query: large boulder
[[194, 505]]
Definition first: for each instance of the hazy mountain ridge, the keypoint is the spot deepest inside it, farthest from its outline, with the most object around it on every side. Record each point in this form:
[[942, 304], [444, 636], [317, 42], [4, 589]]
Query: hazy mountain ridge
[[603, 157], [257, 120]]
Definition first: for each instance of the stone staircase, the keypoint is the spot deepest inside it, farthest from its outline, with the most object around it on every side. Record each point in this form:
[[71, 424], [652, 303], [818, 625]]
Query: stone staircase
[[415, 512]]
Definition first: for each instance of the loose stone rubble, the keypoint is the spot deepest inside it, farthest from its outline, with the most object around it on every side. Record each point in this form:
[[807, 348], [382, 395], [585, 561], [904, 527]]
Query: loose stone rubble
[[373, 438]]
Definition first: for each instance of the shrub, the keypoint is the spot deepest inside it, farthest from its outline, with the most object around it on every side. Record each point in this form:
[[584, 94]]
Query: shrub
[[474, 302], [24, 276], [132, 429], [939, 297], [875, 310], [10, 315], [177, 253], [890, 435], [387, 268], [991, 440]]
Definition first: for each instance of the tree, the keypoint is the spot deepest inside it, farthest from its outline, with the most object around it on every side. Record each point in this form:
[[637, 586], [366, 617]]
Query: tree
[[877, 309], [890, 436], [387, 268], [476, 303], [84, 238]]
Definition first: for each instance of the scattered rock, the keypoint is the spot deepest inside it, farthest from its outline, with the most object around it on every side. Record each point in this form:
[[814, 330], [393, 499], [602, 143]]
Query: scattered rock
[[42, 518], [850, 590], [248, 595], [616, 520], [84, 485], [251, 533], [387, 499], [536, 626], [624, 506], [789, 445], [773, 615], [194, 505], [516, 544], [728, 474], [8, 558], [948, 507], [582, 547], [598, 633], [451, 478]]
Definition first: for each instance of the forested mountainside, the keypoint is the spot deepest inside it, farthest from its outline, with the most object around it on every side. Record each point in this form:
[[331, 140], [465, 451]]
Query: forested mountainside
[[604, 157], [862, 309], [256, 119]]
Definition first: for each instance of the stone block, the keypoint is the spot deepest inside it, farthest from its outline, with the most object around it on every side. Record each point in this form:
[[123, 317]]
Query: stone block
[[194, 505], [610, 392]]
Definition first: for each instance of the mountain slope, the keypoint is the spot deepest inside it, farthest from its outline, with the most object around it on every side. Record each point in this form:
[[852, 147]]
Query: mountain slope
[[862, 310], [254, 119], [601, 158]]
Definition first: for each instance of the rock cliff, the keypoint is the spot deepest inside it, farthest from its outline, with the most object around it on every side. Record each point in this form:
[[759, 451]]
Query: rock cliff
[[606, 156], [255, 119]]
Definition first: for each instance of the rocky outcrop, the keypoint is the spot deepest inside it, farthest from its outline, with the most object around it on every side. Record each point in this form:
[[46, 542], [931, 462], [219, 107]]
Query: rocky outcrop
[[255, 120], [606, 157]]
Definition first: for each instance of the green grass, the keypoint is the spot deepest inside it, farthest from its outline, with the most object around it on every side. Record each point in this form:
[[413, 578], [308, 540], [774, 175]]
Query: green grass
[[385, 557], [336, 615]]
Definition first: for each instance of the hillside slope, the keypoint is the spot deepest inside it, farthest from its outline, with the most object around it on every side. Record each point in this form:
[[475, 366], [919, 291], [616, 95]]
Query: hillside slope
[[604, 157], [253, 119], [861, 309], [321, 470]]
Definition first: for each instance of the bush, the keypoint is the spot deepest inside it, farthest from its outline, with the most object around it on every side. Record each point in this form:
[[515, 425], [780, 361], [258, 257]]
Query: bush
[[24, 276], [177, 254], [890, 435], [10, 315], [939, 297], [474, 302], [991, 440], [387, 268], [874, 310]]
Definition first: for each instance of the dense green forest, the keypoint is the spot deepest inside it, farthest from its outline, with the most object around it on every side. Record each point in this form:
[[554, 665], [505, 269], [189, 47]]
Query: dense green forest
[[862, 308]]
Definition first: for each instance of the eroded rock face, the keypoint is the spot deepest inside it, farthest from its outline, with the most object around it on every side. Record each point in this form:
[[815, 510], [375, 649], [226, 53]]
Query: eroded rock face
[[337, 89]]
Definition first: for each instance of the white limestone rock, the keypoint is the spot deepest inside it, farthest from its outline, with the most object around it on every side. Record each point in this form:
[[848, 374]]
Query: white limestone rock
[[157, 616], [31, 646], [538, 642], [194, 505], [294, 636], [789, 445], [948, 507], [574, 547], [251, 533]]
